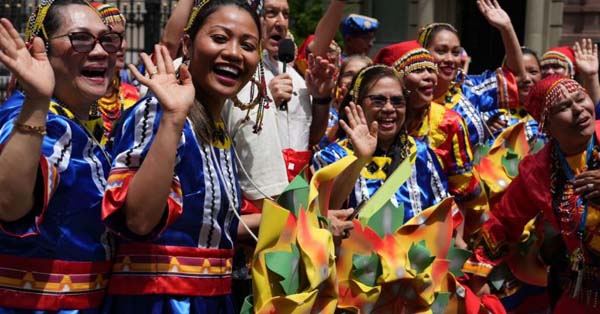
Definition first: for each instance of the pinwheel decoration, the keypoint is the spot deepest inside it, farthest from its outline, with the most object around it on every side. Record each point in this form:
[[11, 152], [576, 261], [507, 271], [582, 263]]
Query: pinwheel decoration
[[293, 268]]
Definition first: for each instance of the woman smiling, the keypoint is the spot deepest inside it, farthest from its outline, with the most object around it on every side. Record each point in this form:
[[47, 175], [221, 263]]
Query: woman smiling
[[174, 183]]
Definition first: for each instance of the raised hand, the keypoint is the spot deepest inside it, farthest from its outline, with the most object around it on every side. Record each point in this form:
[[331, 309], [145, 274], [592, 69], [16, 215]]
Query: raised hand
[[362, 136], [31, 67], [586, 57], [176, 96], [320, 76], [494, 14], [587, 184]]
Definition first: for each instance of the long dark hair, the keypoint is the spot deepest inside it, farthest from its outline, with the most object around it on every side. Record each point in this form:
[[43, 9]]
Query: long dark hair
[[203, 124], [361, 85]]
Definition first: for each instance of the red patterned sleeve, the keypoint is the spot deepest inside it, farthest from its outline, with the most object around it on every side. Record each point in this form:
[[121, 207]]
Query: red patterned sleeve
[[114, 200], [508, 91]]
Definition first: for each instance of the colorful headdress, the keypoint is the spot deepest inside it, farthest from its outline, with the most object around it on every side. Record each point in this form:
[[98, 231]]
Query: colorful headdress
[[563, 56], [424, 36], [255, 5], [406, 57], [35, 26], [546, 93], [359, 78], [110, 14], [358, 24]]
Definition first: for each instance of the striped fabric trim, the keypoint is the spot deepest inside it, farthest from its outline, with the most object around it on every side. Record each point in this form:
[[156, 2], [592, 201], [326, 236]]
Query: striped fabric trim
[[143, 268], [414, 60], [55, 284]]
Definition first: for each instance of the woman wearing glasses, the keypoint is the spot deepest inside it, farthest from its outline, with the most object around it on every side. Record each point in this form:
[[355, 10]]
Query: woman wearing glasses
[[442, 129], [54, 251], [373, 120], [173, 193]]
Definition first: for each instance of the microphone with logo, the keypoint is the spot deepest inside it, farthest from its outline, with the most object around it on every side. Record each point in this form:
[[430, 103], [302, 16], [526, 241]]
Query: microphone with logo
[[286, 54]]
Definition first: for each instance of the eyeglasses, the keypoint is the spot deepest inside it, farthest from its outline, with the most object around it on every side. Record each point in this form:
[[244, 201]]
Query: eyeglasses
[[84, 42], [381, 100]]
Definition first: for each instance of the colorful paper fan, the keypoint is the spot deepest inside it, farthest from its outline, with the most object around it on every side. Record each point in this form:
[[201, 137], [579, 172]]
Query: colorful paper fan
[[294, 262], [405, 263], [356, 264], [501, 165]]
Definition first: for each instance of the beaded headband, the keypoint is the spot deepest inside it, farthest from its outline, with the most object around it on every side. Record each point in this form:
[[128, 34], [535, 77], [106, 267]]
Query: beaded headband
[[256, 5], [414, 60], [424, 36], [547, 93], [361, 75], [556, 57], [35, 25], [110, 14]]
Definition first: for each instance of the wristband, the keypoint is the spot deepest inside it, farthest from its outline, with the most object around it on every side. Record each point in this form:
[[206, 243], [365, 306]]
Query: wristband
[[30, 129]]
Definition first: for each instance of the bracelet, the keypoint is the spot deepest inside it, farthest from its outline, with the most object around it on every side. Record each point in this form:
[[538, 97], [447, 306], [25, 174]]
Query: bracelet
[[30, 129], [322, 101]]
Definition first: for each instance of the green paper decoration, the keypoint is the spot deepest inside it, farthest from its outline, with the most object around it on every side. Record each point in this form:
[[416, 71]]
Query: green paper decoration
[[419, 256], [295, 195], [366, 269], [457, 258], [286, 265], [387, 219]]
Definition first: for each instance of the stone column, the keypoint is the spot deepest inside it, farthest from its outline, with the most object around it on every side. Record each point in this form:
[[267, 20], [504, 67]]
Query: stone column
[[421, 13], [534, 25]]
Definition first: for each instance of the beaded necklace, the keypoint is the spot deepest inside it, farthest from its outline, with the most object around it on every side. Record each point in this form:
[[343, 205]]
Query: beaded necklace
[[568, 206], [110, 106]]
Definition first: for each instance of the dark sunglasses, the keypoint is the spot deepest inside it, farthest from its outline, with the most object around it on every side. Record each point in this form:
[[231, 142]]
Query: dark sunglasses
[[381, 100], [84, 42]]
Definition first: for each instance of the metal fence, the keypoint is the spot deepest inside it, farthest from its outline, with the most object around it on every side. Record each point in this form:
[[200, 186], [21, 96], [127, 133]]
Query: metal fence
[[145, 21]]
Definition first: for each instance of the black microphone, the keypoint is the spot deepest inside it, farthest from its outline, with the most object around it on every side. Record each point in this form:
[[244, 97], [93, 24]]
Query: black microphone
[[286, 54]]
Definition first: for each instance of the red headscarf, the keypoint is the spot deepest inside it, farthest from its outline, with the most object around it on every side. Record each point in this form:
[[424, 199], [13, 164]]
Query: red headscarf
[[546, 93]]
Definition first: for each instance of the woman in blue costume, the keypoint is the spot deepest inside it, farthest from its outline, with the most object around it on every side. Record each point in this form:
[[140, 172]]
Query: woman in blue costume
[[472, 95], [173, 193], [373, 121], [54, 250]]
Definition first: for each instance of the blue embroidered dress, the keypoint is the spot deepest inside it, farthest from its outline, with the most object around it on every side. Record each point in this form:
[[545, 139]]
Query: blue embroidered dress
[[473, 95], [184, 265], [56, 259], [425, 187]]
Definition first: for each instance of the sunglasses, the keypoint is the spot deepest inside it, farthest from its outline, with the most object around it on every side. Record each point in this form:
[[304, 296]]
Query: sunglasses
[[381, 100], [84, 42]]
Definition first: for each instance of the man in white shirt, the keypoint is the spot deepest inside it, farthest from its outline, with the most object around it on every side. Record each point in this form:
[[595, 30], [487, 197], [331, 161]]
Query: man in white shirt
[[272, 156]]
